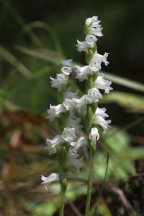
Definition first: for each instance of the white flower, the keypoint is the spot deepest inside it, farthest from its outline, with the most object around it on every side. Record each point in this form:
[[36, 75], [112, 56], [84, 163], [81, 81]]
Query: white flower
[[93, 26], [97, 59], [73, 121], [54, 144], [68, 104], [66, 70], [89, 43], [76, 103], [83, 72], [68, 134], [61, 79], [99, 118], [80, 104], [93, 95], [55, 111], [51, 178], [95, 29], [68, 62], [90, 38], [74, 160], [94, 135], [70, 94], [82, 141], [102, 83], [91, 20], [101, 112], [84, 46]]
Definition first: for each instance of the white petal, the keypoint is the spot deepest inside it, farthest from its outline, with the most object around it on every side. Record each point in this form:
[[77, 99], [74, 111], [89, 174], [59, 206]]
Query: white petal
[[61, 80], [54, 144], [94, 135], [55, 111], [102, 83], [80, 104], [95, 63], [91, 39], [83, 72], [91, 20], [94, 27], [68, 104], [84, 45], [99, 118], [66, 70], [68, 62], [68, 134], [51, 178], [70, 94], [93, 95]]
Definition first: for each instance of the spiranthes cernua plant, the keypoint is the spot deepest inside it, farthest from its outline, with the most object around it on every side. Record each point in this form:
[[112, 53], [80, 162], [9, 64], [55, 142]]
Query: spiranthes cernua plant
[[81, 120]]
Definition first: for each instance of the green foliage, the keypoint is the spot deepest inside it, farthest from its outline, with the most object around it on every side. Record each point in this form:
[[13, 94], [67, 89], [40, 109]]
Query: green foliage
[[132, 102], [121, 161], [45, 209]]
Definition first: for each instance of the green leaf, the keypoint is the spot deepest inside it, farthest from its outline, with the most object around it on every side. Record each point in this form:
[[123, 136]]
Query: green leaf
[[132, 102], [125, 82]]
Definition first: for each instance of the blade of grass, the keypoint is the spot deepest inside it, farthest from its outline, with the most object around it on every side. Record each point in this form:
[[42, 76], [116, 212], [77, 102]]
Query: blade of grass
[[125, 82], [4, 53], [50, 30], [42, 72], [132, 102], [38, 54]]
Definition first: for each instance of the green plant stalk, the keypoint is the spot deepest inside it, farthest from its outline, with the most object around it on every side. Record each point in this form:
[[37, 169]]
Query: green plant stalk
[[62, 157], [90, 112], [63, 184], [61, 211], [90, 180]]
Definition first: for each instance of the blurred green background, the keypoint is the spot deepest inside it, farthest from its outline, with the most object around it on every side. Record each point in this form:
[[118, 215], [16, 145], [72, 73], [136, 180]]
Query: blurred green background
[[34, 36]]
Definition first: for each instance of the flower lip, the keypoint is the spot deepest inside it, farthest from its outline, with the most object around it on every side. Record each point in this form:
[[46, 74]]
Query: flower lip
[[51, 178], [68, 134], [94, 135], [66, 70]]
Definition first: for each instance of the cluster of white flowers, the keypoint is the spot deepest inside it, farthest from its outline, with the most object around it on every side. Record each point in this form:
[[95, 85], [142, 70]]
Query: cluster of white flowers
[[93, 30], [77, 106]]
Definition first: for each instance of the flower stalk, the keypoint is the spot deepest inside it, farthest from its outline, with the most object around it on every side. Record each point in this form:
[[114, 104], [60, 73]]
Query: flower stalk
[[90, 180], [63, 184]]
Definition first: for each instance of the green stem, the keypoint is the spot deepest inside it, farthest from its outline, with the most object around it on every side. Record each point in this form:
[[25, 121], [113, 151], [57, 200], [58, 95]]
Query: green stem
[[61, 211], [63, 180], [90, 181], [63, 183]]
